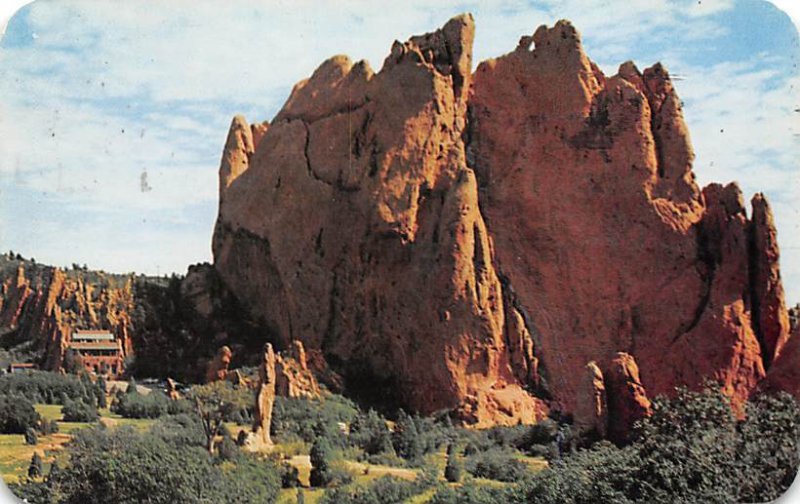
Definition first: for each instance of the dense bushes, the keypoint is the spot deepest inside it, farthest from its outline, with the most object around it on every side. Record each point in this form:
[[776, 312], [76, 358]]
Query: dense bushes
[[321, 456], [470, 493], [79, 411], [50, 388], [384, 490], [152, 405], [180, 430], [452, 469], [691, 450], [124, 467], [501, 464], [308, 419], [17, 414]]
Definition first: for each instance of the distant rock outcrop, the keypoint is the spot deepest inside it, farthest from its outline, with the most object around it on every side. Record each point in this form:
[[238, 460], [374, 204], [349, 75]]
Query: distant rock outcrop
[[218, 367], [591, 409], [44, 305], [293, 378], [626, 397], [259, 438], [476, 239]]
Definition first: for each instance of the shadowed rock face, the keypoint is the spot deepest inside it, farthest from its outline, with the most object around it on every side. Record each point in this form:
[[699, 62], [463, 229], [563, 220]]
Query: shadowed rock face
[[478, 239]]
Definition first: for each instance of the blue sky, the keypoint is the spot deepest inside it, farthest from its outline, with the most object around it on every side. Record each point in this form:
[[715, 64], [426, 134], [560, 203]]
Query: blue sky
[[96, 96]]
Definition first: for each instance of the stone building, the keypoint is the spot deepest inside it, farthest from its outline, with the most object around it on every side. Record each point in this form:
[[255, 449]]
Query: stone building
[[100, 352]]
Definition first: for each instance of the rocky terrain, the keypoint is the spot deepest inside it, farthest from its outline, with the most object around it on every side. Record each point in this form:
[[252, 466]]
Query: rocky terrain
[[168, 326], [40, 307], [475, 240]]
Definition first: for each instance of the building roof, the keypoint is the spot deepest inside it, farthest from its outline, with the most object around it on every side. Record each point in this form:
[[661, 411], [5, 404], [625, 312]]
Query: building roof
[[92, 335], [22, 365], [93, 345]]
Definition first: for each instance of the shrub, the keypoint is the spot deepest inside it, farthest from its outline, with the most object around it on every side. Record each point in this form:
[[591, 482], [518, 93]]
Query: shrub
[[35, 469], [452, 471], [384, 490], [248, 479], [227, 449], [48, 427], [17, 414], [308, 419], [79, 411], [499, 464], [407, 441], [388, 459], [30, 436], [290, 476], [179, 430], [122, 466], [370, 433], [691, 449], [47, 387], [470, 493], [770, 447], [541, 433], [321, 472], [152, 405]]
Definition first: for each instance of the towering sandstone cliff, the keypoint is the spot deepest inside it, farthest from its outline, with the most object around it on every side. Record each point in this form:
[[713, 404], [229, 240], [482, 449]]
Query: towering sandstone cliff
[[478, 239]]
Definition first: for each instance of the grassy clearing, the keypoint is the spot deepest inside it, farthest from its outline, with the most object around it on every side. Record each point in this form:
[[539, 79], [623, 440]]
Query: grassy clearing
[[15, 455], [368, 472], [114, 420], [289, 495]]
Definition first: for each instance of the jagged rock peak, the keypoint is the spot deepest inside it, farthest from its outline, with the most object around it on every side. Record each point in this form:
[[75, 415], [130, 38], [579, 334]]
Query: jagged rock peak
[[367, 186], [770, 316]]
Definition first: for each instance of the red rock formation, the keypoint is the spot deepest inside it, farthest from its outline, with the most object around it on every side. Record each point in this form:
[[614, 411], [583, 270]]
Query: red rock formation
[[293, 378], [476, 238], [46, 305], [784, 374], [771, 322], [172, 390], [259, 438], [355, 228], [591, 412], [588, 193], [626, 397], [217, 368]]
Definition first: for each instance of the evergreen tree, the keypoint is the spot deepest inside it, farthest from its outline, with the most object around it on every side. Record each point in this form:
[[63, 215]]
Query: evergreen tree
[[52, 476], [30, 436], [407, 441], [452, 471], [320, 463], [100, 392], [35, 469], [131, 387]]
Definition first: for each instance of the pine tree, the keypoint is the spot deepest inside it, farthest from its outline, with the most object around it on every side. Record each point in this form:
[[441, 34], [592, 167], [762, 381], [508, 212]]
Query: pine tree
[[35, 469], [30, 436], [100, 391], [54, 470], [408, 443], [131, 387], [452, 471], [320, 463]]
